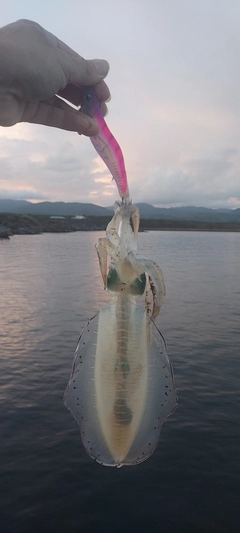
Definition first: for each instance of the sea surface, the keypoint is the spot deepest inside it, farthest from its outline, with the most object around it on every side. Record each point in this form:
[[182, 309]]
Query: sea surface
[[50, 285]]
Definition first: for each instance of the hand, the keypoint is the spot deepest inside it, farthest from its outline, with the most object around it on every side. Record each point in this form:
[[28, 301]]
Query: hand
[[35, 67]]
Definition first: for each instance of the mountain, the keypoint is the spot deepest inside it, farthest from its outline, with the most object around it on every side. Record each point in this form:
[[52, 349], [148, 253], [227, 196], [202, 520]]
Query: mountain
[[187, 213], [147, 211], [52, 208]]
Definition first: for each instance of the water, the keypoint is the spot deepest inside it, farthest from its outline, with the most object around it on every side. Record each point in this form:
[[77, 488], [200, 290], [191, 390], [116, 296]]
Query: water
[[50, 285]]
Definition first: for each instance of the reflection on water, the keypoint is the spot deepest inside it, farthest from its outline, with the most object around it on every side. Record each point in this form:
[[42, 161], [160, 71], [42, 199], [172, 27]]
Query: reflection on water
[[50, 286]]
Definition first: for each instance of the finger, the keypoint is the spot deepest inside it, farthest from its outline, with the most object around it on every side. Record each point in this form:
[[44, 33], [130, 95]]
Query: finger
[[102, 91], [104, 109], [84, 71], [64, 47], [59, 115], [10, 109], [81, 71], [57, 102], [72, 93]]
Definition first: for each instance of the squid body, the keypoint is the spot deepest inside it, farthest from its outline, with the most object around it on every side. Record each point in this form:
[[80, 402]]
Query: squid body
[[121, 388]]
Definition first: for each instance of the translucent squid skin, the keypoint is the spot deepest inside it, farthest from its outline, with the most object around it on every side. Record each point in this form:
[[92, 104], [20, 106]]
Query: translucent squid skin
[[122, 388]]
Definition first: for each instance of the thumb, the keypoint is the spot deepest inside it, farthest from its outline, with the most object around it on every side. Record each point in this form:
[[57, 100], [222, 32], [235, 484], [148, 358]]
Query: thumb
[[89, 71]]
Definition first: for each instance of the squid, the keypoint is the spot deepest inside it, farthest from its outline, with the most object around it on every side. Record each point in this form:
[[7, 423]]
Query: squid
[[121, 388]]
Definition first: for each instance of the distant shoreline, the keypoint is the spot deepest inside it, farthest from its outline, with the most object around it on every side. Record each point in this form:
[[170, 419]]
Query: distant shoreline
[[220, 230], [17, 224]]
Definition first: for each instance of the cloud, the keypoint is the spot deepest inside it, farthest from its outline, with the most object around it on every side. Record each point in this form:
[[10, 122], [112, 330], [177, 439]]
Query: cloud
[[211, 181], [174, 80], [65, 158], [213, 166], [21, 194], [63, 166]]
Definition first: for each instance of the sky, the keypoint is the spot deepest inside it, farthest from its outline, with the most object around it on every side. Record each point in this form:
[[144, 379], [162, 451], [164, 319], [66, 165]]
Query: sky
[[175, 104]]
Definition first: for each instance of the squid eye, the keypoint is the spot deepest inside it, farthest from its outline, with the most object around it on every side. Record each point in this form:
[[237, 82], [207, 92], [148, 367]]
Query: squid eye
[[88, 97]]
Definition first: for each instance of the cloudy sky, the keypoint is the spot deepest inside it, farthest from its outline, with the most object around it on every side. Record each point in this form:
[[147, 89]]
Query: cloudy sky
[[175, 108]]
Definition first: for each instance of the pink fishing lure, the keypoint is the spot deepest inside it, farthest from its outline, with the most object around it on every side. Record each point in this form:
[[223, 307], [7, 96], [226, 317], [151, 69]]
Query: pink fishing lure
[[105, 144]]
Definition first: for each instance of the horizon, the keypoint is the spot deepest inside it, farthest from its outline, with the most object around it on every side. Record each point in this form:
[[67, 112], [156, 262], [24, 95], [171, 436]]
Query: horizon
[[111, 206]]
